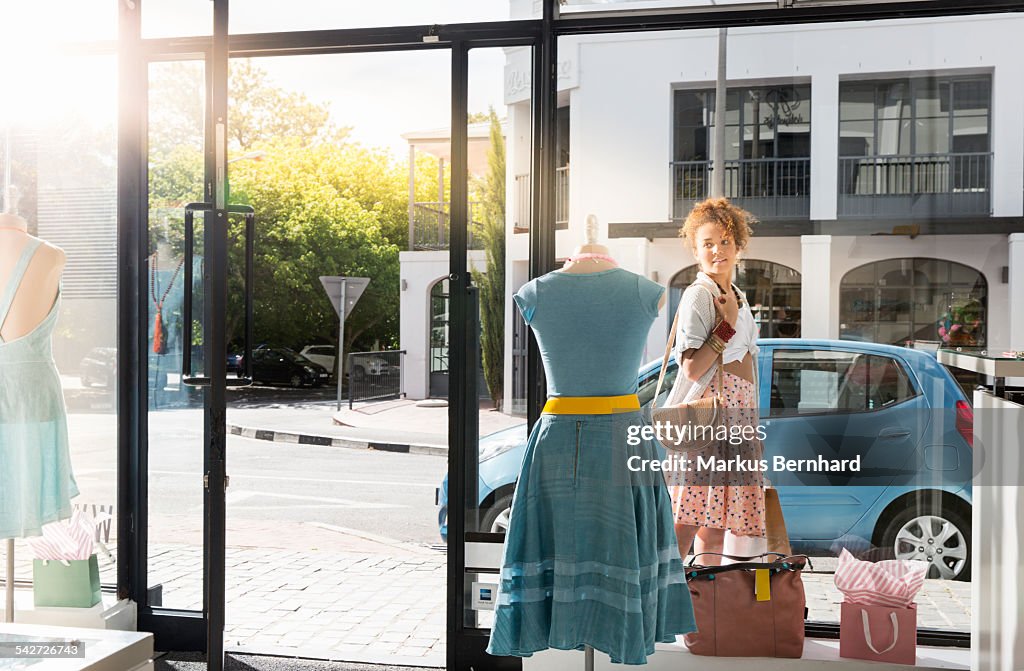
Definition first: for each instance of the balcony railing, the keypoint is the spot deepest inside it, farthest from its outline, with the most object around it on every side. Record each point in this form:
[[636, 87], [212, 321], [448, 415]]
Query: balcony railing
[[523, 209], [432, 226], [769, 188], [918, 185]]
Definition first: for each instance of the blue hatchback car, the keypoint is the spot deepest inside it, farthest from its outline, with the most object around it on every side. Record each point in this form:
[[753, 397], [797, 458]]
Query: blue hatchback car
[[900, 410]]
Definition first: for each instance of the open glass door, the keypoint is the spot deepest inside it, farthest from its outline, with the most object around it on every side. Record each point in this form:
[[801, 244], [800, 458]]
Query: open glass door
[[172, 239]]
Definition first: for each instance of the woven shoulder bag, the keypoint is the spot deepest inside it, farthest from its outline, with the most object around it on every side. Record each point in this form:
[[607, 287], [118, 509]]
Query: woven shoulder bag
[[690, 427]]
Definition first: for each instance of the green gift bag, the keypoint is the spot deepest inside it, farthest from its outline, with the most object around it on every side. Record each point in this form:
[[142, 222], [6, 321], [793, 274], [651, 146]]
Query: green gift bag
[[74, 586]]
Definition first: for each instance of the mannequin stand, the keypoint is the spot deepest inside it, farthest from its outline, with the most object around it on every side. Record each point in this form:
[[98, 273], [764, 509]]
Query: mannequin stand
[[9, 584], [588, 658]]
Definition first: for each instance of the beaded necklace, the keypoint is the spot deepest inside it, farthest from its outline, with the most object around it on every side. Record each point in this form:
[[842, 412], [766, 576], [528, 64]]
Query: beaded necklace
[[591, 257], [159, 333]]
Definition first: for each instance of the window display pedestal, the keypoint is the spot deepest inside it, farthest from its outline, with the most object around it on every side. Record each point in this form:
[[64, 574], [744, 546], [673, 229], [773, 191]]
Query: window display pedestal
[[819, 655], [105, 650], [997, 511], [109, 613]]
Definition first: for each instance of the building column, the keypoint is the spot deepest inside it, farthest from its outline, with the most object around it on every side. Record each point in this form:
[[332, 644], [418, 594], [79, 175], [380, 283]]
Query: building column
[[824, 147], [816, 320], [1007, 140], [1016, 291]]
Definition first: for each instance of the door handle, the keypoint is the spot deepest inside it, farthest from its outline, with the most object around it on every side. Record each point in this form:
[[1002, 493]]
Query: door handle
[[897, 432], [250, 234]]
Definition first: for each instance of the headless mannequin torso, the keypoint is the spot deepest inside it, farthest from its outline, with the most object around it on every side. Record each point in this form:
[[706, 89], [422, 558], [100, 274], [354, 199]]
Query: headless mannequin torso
[[38, 290], [592, 264], [32, 302]]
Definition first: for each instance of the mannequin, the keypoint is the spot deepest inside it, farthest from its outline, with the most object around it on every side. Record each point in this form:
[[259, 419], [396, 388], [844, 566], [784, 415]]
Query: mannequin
[[31, 305], [592, 257], [591, 321], [39, 288]]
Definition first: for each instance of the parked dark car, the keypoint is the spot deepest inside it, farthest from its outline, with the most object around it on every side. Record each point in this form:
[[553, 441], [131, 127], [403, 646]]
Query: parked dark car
[[98, 368], [898, 408], [235, 364], [280, 365]]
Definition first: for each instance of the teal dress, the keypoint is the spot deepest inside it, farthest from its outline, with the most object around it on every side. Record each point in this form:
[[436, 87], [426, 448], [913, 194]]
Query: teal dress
[[590, 555], [36, 483]]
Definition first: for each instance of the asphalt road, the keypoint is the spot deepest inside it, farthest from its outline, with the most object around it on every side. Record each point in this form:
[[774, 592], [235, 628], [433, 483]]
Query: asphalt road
[[279, 495]]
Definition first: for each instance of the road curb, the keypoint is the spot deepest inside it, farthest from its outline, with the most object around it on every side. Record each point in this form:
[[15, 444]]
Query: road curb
[[276, 436]]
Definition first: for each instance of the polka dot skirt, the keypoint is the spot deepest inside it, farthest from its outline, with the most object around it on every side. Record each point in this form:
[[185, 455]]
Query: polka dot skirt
[[727, 500]]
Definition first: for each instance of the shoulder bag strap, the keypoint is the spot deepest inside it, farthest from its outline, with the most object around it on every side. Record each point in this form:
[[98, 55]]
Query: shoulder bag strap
[[664, 359], [672, 340]]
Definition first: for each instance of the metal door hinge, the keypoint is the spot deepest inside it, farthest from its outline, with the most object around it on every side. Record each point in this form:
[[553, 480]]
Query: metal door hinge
[[206, 481]]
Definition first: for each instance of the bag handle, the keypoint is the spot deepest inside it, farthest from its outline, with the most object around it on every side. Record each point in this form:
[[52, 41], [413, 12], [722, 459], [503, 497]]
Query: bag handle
[[867, 632], [672, 341], [781, 557], [737, 557]]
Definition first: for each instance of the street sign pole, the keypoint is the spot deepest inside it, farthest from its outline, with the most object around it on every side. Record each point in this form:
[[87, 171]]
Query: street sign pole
[[343, 292], [340, 363]]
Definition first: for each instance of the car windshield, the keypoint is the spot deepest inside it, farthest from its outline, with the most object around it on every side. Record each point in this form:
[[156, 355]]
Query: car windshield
[[294, 356]]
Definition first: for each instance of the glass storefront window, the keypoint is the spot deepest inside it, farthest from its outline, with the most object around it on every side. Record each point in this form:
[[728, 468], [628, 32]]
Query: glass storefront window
[[262, 16], [61, 159]]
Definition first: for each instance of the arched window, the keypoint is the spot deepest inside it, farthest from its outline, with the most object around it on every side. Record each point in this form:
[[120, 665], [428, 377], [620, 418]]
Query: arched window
[[897, 300], [772, 289]]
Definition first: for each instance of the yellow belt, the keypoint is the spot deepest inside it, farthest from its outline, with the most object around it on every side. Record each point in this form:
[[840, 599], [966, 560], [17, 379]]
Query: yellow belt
[[591, 405]]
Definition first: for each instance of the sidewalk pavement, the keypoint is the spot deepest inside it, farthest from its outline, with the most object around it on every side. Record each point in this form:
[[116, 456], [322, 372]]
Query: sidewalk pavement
[[399, 425]]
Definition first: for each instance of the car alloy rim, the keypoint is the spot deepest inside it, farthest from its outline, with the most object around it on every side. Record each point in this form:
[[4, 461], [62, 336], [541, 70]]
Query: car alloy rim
[[500, 524], [935, 540]]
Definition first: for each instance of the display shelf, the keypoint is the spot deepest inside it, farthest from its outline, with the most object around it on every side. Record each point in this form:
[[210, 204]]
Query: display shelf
[[987, 361], [105, 650], [819, 654]]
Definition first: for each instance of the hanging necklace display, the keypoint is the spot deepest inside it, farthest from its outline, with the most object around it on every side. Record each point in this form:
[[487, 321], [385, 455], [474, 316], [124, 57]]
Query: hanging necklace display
[[159, 332]]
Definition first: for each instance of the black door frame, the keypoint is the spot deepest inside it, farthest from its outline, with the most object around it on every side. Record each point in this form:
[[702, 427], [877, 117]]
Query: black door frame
[[184, 630]]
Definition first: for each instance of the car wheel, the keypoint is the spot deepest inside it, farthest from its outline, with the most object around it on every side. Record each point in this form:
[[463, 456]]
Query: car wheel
[[295, 381], [940, 536], [358, 373], [495, 520]]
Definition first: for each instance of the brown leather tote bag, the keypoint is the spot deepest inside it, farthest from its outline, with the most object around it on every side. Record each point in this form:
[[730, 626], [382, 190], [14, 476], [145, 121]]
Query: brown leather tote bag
[[748, 609]]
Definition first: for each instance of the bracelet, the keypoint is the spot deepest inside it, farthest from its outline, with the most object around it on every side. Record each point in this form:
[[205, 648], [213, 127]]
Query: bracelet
[[716, 343], [724, 331]]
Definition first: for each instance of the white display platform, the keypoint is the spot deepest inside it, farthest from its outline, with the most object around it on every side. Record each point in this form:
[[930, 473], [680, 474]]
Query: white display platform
[[105, 650], [109, 613], [819, 655]]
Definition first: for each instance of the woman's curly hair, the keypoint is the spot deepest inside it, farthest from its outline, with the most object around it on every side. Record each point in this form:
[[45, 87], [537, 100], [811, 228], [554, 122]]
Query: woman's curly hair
[[735, 220]]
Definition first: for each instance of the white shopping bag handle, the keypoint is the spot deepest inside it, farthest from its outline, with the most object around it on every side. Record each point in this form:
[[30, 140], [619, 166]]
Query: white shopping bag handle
[[867, 632]]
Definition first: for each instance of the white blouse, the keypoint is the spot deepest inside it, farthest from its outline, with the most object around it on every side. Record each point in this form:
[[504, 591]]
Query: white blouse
[[697, 317]]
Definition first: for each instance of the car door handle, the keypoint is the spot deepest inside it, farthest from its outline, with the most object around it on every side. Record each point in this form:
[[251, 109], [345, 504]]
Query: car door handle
[[898, 432]]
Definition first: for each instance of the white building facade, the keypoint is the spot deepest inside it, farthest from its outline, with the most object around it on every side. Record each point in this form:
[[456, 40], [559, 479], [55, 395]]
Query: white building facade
[[885, 164]]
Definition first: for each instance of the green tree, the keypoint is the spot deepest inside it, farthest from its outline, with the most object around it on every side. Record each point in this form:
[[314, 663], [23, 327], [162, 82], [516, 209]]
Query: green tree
[[324, 205], [306, 228], [492, 282]]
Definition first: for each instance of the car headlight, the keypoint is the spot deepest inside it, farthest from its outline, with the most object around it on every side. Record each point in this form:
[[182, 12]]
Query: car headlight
[[309, 370], [496, 448]]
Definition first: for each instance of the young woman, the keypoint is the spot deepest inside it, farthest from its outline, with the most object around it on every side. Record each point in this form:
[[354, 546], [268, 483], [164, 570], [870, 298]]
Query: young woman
[[714, 321]]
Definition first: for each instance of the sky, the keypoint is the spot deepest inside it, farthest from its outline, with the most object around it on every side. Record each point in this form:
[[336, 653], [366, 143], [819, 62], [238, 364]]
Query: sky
[[381, 95]]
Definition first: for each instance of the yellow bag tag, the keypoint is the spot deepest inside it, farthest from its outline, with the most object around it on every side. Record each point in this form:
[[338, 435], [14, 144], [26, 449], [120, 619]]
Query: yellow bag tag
[[762, 584]]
